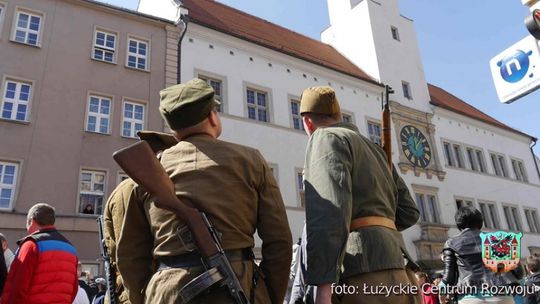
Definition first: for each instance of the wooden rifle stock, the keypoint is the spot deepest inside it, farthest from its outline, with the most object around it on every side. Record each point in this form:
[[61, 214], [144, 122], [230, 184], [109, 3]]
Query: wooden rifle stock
[[141, 164], [386, 144]]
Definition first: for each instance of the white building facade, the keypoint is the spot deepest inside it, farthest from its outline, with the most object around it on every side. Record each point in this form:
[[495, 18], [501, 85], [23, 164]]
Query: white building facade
[[260, 69]]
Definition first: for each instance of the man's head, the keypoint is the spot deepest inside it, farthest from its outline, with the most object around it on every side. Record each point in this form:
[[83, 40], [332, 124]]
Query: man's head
[[101, 284], [4, 242], [189, 108], [40, 215], [469, 217], [533, 263], [319, 107]]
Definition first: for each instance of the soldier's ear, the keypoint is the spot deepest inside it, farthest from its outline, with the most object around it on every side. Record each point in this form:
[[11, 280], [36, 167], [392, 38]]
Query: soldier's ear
[[309, 126]]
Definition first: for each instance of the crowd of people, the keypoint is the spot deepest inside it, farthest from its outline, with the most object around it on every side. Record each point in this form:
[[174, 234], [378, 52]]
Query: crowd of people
[[356, 207]]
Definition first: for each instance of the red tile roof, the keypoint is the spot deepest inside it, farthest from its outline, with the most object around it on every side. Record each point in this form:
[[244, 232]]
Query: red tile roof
[[228, 20], [443, 99]]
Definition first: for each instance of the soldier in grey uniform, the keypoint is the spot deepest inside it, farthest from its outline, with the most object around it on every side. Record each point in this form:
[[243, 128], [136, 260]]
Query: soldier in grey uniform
[[355, 207], [233, 185]]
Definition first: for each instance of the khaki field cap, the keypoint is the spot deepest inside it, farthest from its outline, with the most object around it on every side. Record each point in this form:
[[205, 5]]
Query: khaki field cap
[[186, 104], [319, 100], [158, 141]]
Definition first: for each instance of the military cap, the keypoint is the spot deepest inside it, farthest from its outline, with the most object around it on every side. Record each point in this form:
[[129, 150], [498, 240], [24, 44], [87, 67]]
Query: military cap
[[186, 104], [158, 141], [319, 100]]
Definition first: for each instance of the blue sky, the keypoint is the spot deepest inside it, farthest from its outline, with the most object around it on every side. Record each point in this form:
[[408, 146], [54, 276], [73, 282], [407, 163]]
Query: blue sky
[[457, 39]]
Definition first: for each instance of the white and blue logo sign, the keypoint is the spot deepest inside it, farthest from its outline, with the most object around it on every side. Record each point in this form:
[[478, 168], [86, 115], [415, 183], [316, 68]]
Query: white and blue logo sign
[[515, 66], [514, 71]]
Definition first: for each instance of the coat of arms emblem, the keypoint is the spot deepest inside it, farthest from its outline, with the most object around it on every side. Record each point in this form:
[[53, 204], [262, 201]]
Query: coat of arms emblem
[[501, 250]]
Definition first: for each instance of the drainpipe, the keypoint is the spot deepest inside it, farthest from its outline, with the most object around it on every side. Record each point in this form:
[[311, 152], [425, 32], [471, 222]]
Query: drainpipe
[[184, 19], [534, 156]]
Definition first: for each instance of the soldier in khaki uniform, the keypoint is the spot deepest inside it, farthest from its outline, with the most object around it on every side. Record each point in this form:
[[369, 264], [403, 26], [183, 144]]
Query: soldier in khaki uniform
[[355, 207], [233, 185], [115, 209]]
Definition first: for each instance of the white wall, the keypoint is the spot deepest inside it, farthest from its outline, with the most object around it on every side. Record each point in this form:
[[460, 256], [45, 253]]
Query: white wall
[[278, 141]]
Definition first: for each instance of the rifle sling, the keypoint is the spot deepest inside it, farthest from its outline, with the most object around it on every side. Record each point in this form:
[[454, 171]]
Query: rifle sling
[[369, 221]]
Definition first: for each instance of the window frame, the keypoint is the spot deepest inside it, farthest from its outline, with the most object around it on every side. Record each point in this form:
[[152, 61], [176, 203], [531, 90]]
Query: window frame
[[464, 200], [207, 76], [394, 31], [347, 113], [407, 91], [3, 7], [19, 81], [532, 214], [105, 48], [426, 192], [16, 179], [491, 220], [110, 115], [517, 224], [269, 107], [481, 161], [137, 55], [120, 177], [448, 153], [93, 171], [518, 167], [292, 116], [144, 120], [300, 188], [458, 155], [369, 122], [15, 26]]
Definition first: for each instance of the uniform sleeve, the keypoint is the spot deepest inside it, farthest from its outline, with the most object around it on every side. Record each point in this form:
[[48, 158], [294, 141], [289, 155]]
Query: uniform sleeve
[[134, 249], [407, 213], [273, 229], [328, 193], [21, 272]]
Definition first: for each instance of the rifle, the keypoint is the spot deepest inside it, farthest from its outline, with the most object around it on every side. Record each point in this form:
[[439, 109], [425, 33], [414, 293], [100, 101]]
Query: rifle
[[110, 273], [386, 143], [141, 164]]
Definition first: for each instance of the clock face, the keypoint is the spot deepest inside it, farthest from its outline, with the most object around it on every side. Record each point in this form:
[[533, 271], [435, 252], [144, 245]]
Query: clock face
[[415, 146]]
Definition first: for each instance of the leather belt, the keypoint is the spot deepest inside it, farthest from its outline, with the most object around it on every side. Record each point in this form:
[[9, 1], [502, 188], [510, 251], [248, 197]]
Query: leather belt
[[194, 259], [369, 221]]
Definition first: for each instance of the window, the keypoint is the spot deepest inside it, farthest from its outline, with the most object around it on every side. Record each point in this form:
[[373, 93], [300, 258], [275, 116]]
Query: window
[[406, 90], [91, 192], [274, 168], [519, 170], [395, 32], [463, 202], [427, 204], [457, 154], [300, 187], [295, 114], [257, 104], [448, 154], [8, 183], [502, 162], [133, 119], [99, 109], [489, 212], [104, 46], [512, 218], [16, 100], [121, 177], [480, 161], [27, 28], [347, 117], [2, 9], [374, 132], [216, 84], [472, 159], [532, 220], [137, 56], [496, 165]]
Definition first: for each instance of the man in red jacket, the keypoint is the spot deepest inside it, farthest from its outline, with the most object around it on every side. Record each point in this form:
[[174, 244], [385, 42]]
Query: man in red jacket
[[45, 265]]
